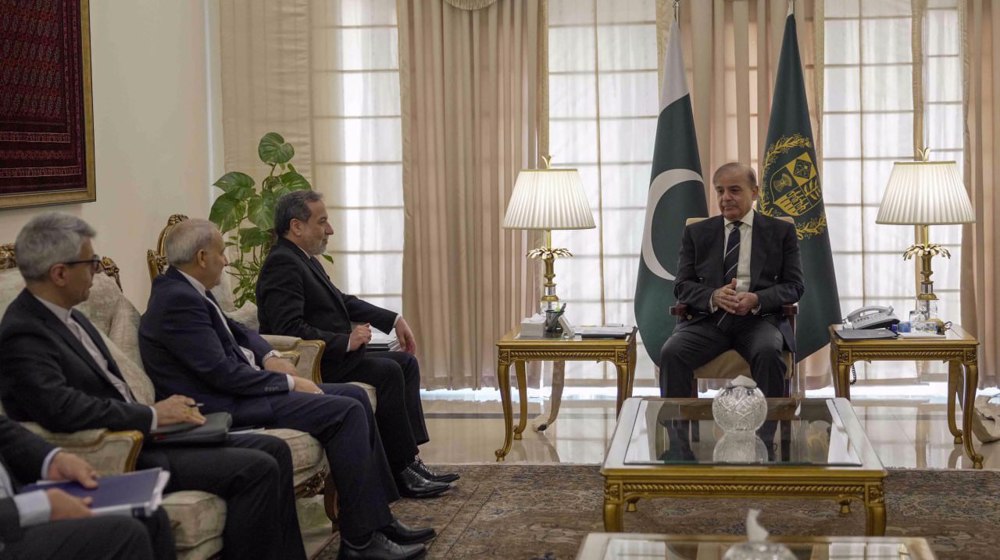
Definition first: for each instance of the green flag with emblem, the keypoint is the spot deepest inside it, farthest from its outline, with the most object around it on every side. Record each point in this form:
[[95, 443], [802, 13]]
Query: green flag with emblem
[[790, 186], [676, 193]]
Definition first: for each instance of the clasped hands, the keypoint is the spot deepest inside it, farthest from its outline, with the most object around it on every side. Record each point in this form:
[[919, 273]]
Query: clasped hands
[[729, 300]]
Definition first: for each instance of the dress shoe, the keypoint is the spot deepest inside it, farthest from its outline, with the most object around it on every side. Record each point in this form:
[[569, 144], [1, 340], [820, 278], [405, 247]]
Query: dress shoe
[[379, 547], [398, 532], [430, 475], [412, 485]]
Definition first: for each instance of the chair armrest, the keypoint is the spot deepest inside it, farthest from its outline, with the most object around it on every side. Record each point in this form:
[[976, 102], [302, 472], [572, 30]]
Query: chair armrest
[[304, 354], [107, 451], [679, 310]]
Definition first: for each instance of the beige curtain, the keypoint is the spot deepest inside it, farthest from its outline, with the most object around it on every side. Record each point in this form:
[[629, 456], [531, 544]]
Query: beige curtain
[[731, 49], [264, 49], [473, 115], [980, 250]]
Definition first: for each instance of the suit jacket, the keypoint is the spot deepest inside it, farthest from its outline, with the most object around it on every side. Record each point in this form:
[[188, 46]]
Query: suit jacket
[[297, 298], [775, 269], [187, 350], [47, 376], [22, 454]]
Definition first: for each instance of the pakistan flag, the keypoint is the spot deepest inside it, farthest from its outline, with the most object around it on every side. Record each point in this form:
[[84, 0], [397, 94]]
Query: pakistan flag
[[790, 186], [676, 192]]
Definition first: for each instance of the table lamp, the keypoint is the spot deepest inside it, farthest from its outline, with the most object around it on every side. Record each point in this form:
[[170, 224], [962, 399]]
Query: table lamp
[[548, 199], [925, 193]]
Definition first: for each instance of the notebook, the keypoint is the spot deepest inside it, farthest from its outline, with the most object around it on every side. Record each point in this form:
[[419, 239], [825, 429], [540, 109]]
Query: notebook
[[865, 334], [136, 493]]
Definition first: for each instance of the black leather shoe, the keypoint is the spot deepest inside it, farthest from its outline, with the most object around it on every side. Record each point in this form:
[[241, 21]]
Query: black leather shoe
[[412, 485], [399, 532], [380, 548], [423, 471]]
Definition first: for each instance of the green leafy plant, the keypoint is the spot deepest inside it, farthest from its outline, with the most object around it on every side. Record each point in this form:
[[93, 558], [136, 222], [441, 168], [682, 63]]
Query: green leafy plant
[[245, 214]]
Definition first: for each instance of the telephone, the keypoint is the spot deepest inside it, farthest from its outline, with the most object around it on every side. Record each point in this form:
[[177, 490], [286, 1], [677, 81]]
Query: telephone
[[871, 317]]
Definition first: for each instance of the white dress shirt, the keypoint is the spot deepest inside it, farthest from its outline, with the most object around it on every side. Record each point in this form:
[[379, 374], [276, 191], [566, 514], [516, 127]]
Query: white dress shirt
[[33, 507]]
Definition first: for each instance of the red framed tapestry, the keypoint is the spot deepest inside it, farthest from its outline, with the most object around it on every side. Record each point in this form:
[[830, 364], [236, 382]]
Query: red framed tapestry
[[46, 113]]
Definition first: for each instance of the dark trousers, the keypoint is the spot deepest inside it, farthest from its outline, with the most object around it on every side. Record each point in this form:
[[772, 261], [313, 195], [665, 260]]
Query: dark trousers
[[341, 420], [253, 474], [695, 344], [96, 538], [399, 413]]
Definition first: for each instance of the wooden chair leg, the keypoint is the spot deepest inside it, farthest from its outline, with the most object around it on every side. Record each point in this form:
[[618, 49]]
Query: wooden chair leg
[[330, 503]]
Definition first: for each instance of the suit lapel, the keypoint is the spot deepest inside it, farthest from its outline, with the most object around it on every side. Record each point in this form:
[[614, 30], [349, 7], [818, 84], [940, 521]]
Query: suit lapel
[[91, 330], [716, 249], [70, 339], [758, 251], [316, 269]]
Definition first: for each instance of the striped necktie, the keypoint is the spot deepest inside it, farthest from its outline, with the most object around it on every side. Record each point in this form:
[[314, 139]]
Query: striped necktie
[[732, 258]]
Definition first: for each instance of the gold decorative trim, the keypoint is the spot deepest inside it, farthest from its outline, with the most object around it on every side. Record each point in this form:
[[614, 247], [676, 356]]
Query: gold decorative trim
[[7, 259], [816, 490], [470, 5], [550, 355], [312, 486]]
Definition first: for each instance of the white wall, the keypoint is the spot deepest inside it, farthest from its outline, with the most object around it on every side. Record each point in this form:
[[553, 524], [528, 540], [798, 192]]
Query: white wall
[[151, 130]]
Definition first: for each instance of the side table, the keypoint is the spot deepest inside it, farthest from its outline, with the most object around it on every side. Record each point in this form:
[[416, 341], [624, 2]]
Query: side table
[[958, 348], [513, 350]]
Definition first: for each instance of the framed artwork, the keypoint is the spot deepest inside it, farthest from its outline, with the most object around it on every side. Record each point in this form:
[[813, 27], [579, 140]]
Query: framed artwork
[[46, 111]]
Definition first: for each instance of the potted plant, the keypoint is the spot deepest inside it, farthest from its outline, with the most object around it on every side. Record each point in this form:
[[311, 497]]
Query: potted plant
[[245, 214]]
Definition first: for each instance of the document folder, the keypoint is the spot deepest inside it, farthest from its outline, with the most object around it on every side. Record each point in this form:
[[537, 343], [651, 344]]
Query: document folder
[[865, 334], [136, 493]]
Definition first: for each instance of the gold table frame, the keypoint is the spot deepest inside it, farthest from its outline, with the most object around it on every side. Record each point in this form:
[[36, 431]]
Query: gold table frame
[[517, 351], [625, 484], [595, 545], [958, 348]]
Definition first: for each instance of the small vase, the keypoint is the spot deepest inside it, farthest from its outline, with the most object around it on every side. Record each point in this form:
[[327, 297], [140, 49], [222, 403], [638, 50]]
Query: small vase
[[740, 406]]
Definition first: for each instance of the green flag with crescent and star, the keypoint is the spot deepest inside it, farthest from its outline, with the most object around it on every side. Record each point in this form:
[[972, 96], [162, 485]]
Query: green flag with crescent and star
[[790, 186], [676, 192]]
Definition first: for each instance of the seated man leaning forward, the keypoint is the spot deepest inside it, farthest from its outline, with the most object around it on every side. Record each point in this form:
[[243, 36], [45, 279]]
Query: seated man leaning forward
[[56, 370], [295, 297], [735, 271], [188, 345], [53, 524]]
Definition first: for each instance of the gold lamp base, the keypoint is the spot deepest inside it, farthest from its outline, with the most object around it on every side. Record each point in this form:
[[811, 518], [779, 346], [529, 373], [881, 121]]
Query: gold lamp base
[[548, 254], [926, 251]]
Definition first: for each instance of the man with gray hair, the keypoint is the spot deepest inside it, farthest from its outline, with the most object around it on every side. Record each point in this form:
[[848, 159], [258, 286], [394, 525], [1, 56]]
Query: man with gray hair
[[55, 369], [189, 346], [295, 297]]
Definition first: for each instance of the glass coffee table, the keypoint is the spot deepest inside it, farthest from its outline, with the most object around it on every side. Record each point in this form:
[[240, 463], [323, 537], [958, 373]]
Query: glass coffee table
[[807, 448], [618, 546]]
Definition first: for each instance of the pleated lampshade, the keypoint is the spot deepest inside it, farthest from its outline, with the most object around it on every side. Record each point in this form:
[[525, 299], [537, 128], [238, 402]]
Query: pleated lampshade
[[925, 192], [548, 199]]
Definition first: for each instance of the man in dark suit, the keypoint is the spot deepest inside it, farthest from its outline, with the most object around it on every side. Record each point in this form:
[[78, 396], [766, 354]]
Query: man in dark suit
[[735, 271], [295, 297], [56, 370], [54, 524], [188, 345]]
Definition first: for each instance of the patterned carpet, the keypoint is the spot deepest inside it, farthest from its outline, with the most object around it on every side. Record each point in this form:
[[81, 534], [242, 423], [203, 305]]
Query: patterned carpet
[[526, 512]]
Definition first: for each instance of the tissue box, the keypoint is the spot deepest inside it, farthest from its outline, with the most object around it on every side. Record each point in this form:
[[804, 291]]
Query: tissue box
[[533, 327]]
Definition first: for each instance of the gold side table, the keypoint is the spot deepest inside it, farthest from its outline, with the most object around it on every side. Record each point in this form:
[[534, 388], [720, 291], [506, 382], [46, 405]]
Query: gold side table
[[958, 348], [517, 351]]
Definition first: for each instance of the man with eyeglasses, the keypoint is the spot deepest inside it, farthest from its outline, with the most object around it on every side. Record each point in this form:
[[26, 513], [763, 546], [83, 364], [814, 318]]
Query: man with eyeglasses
[[56, 370]]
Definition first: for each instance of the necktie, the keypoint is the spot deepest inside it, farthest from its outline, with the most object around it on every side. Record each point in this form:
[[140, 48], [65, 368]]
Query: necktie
[[732, 258]]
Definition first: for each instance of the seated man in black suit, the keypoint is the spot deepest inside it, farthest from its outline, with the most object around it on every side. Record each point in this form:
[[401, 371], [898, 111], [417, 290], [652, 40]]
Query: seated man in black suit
[[56, 370], [295, 297], [54, 524], [735, 271], [188, 345]]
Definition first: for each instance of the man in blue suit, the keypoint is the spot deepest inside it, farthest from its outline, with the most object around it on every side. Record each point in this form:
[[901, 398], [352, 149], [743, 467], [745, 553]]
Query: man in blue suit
[[189, 346], [735, 271]]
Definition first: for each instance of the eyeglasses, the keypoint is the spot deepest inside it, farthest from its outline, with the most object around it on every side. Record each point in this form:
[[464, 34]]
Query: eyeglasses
[[94, 262]]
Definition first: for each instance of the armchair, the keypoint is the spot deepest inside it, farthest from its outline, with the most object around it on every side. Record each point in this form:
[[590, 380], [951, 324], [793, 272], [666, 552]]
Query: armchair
[[730, 364]]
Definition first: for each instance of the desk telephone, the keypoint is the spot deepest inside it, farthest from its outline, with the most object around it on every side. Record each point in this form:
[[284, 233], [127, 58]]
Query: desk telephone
[[872, 317]]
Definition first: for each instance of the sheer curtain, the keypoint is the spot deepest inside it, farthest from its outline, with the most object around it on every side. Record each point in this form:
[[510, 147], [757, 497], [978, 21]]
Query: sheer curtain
[[892, 86], [980, 26]]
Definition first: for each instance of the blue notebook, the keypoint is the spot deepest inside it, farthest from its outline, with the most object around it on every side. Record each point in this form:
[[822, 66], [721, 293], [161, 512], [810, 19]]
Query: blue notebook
[[136, 493]]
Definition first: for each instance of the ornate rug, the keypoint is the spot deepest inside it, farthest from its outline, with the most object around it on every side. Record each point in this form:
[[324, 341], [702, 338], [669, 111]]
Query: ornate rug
[[544, 511]]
